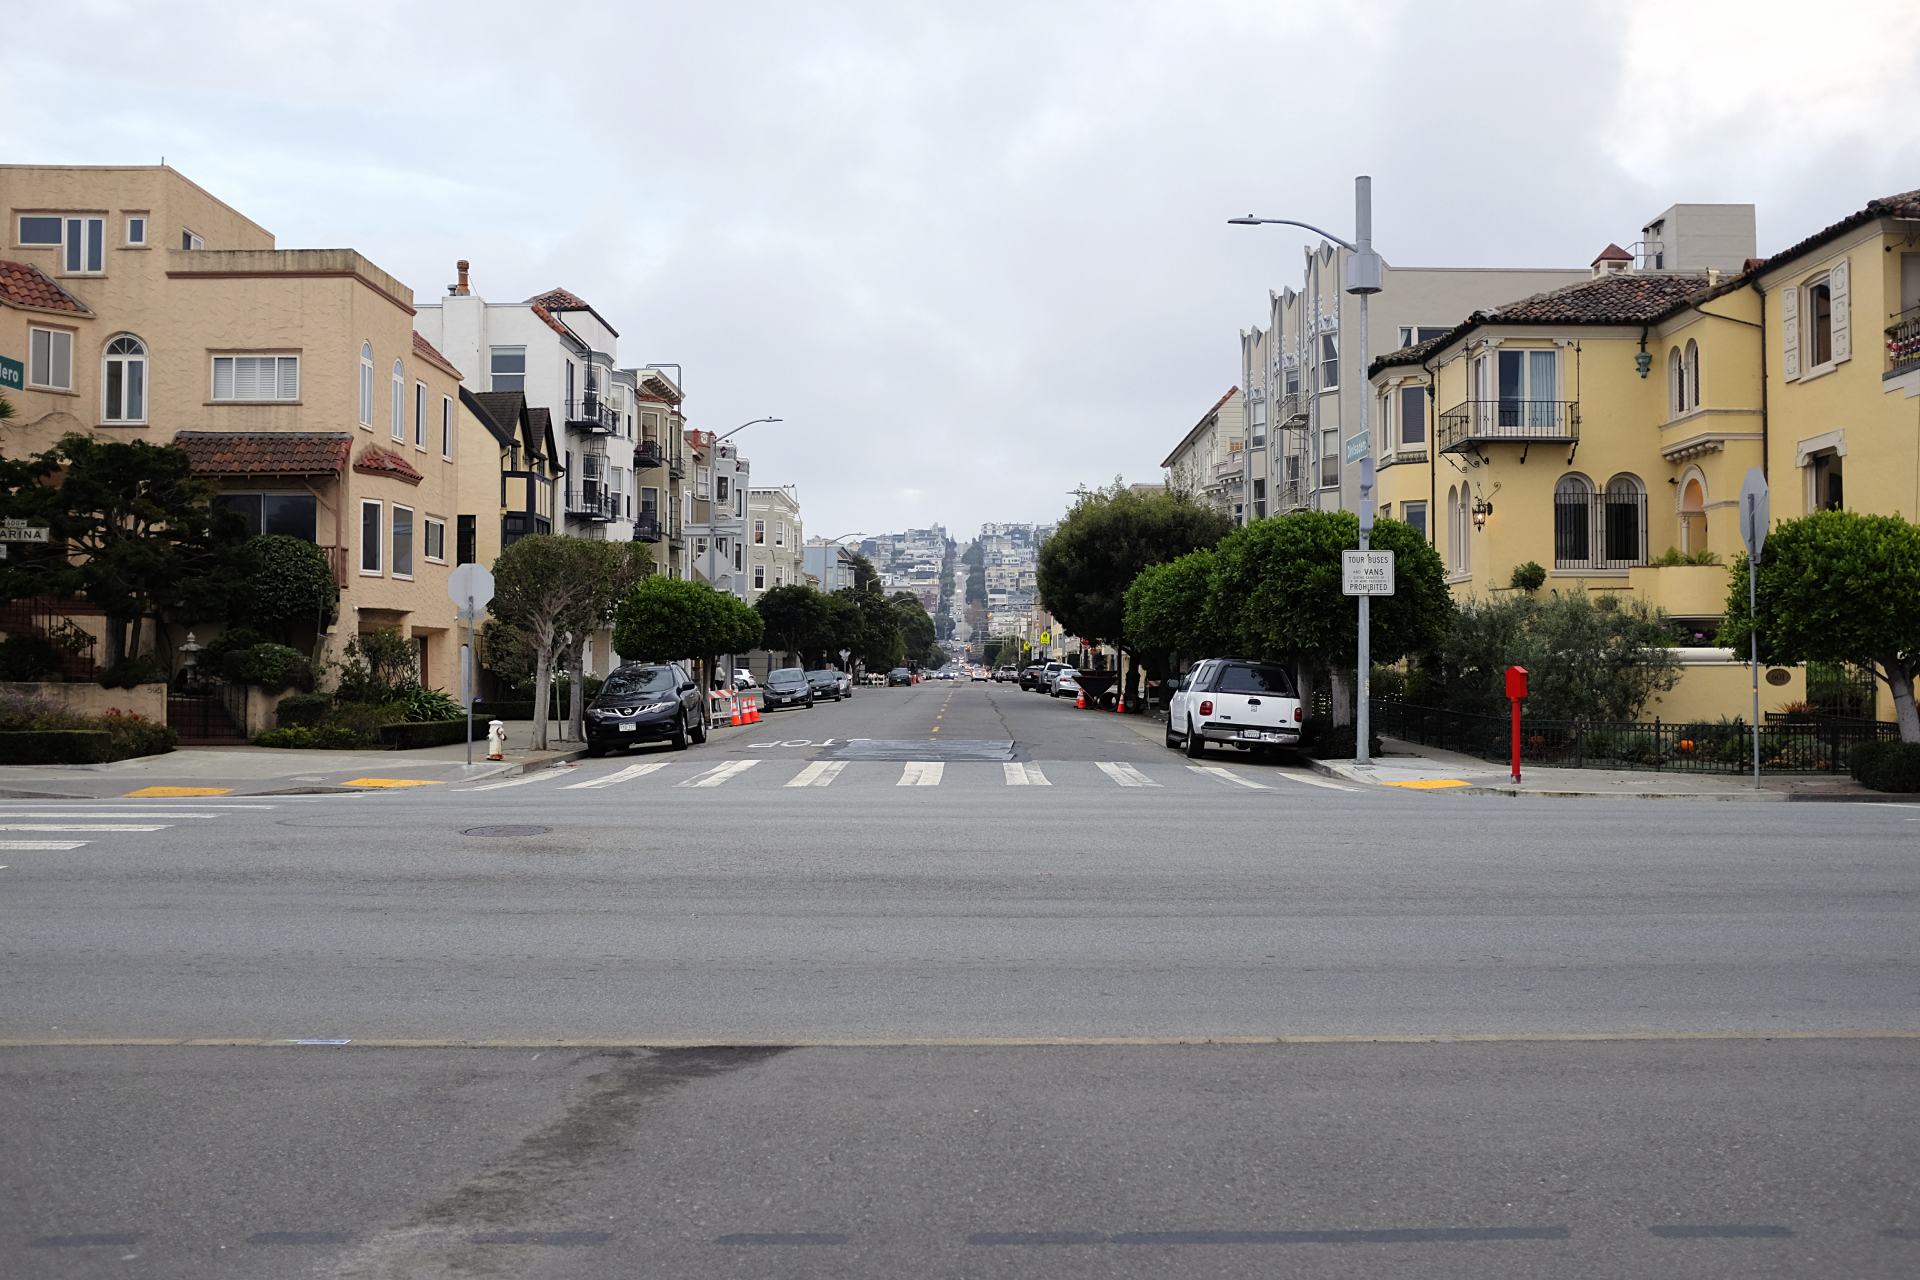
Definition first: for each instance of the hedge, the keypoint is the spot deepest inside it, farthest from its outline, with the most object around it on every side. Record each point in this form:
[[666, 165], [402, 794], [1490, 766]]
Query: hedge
[[484, 710], [1886, 766], [413, 734], [57, 746]]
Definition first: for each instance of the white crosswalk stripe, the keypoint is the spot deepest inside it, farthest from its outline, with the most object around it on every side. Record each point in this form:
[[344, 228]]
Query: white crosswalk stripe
[[544, 775], [1227, 775], [102, 813], [1125, 774], [820, 773], [921, 773], [623, 775], [721, 774], [1025, 775], [1307, 781], [45, 846], [80, 826]]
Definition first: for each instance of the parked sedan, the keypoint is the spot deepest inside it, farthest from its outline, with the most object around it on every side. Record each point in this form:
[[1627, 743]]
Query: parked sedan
[[646, 702], [826, 684], [1033, 677], [1065, 683], [787, 687]]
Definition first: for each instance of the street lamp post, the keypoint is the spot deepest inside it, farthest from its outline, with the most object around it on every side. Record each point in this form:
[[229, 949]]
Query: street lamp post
[[1363, 279]]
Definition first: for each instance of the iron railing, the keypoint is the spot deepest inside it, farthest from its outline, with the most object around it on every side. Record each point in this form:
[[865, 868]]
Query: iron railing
[[1292, 410], [594, 502], [1903, 341], [592, 413], [1504, 421], [1813, 745], [1600, 531], [647, 453], [646, 527]]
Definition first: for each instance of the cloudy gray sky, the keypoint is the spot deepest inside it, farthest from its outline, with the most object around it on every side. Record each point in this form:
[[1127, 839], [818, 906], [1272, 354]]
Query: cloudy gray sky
[[973, 253]]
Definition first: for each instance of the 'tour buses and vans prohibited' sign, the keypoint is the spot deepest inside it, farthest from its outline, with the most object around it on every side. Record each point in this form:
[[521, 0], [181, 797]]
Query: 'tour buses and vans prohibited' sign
[[1366, 573]]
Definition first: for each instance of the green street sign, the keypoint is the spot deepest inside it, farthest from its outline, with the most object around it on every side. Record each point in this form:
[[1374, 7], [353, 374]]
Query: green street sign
[[12, 373]]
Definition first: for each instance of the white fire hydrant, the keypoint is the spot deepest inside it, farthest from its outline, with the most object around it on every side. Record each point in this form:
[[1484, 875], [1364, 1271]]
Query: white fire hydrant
[[496, 740]]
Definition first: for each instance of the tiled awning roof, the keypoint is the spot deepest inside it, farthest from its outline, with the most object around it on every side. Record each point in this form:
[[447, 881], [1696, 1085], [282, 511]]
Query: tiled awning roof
[[421, 347], [375, 461], [265, 453], [24, 285]]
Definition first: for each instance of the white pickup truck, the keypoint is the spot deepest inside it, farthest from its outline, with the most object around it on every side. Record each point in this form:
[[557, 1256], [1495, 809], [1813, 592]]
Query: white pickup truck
[[1234, 702]]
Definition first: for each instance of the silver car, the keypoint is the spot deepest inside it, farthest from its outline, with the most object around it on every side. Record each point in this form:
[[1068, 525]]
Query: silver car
[[1065, 683]]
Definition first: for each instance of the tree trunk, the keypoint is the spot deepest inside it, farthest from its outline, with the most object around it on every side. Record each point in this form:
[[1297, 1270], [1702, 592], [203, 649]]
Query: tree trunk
[[116, 639], [542, 677], [576, 697], [1899, 678], [1342, 697]]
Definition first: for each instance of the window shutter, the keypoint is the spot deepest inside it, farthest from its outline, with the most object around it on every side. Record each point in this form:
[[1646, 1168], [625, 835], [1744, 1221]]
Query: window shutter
[[1790, 333], [1837, 281]]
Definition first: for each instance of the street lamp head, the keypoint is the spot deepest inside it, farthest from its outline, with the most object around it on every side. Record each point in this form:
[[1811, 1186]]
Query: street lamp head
[[1248, 221]]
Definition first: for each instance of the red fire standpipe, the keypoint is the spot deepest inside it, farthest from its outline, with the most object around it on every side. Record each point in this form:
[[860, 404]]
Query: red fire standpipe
[[1516, 694]]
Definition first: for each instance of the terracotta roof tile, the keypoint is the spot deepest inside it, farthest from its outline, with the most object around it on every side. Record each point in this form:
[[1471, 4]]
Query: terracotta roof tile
[[1612, 253], [25, 285], [1904, 205], [375, 461], [265, 453], [546, 317], [422, 347], [558, 299]]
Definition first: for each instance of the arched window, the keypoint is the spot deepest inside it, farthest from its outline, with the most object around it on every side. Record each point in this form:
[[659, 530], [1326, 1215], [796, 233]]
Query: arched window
[[1693, 512], [1676, 384], [1453, 527], [366, 384], [399, 401], [1692, 373], [1573, 522], [125, 380], [1626, 521]]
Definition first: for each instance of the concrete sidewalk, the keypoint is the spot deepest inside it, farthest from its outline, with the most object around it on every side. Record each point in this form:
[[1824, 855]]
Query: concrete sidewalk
[[241, 771], [1407, 765]]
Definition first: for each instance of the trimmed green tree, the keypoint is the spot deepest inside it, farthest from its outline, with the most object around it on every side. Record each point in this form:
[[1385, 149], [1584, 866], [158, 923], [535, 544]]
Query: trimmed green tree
[[290, 587], [1102, 545], [1170, 614], [794, 616], [1838, 586]]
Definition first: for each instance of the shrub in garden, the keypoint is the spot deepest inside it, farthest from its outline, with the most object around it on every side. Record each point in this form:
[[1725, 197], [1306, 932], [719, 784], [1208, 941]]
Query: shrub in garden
[[418, 704], [128, 672], [303, 710], [272, 667], [28, 657], [1528, 577]]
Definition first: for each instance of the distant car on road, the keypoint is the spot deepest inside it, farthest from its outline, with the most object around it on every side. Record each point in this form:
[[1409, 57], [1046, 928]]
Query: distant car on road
[[1065, 683], [980, 675], [743, 679], [1033, 677], [1005, 675], [1234, 702], [646, 702], [787, 687], [899, 675], [826, 684]]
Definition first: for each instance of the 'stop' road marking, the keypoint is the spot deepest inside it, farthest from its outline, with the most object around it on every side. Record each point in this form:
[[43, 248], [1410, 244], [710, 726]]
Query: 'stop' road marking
[[1228, 775], [1025, 775], [720, 774], [1125, 774], [623, 775], [921, 773], [820, 773]]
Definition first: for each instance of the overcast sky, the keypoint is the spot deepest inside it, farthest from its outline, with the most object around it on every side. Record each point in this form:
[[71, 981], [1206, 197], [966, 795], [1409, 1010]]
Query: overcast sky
[[973, 253]]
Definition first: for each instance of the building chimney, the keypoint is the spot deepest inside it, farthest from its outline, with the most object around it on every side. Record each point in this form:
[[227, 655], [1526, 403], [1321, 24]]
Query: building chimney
[[460, 289]]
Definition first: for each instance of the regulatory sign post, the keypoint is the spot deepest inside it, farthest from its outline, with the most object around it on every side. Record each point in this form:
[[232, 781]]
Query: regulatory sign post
[[1366, 573], [471, 587], [1754, 518]]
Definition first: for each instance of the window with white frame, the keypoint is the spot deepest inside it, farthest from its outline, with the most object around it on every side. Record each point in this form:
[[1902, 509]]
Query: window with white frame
[[433, 543], [40, 229], [188, 240], [759, 533], [1412, 403], [1573, 522], [507, 369], [1415, 514], [780, 534], [366, 384], [720, 489], [402, 541], [398, 424], [699, 548], [1329, 360], [1412, 335], [1330, 457], [446, 427], [137, 229], [420, 415], [124, 380], [1819, 337], [738, 557], [84, 245], [254, 378], [50, 359], [759, 576], [1676, 384], [779, 576], [1690, 373], [372, 527]]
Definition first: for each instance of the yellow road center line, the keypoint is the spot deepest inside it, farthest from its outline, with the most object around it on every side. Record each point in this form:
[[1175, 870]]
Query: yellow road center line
[[156, 793], [966, 1042]]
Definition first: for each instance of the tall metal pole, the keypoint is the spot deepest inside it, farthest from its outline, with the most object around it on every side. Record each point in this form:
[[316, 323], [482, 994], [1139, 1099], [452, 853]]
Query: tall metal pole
[[1363, 279], [1753, 653]]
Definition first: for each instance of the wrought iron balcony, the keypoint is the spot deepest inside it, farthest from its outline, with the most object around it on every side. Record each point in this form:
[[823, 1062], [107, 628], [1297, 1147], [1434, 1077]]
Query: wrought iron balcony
[[677, 460], [1292, 411], [593, 502], [592, 413], [646, 527], [648, 454], [1503, 421], [1903, 342]]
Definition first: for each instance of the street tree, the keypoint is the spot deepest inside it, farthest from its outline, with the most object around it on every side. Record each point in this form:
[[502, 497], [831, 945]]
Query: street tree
[[556, 591], [290, 588], [1838, 586], [672, 619], [877, 644], [131, 529], [795, 616], [1170, 618], [916, 629], [1276, 594], [1102, 545]]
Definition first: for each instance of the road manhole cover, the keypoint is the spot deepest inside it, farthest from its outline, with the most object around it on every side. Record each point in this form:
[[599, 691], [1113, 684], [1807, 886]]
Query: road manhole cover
[[506, 831]]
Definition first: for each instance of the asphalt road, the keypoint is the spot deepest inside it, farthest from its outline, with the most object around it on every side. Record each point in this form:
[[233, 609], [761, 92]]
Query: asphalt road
[[1691, 1025]]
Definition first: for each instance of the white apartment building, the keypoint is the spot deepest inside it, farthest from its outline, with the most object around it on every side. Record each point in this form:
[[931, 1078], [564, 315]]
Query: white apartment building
[[775, 548], [1305, 372], [716, 513]]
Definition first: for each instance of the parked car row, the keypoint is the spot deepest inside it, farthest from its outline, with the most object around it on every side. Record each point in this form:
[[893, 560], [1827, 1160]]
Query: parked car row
[[1055, 679]]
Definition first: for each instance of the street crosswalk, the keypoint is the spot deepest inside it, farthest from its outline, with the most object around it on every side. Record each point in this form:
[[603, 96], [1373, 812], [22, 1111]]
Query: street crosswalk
[[66, 826], [683, 772]]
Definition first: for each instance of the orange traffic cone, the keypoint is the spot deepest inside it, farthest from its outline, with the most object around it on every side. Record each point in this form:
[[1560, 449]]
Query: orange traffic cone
[[1120, 706], [753, 710], [737, 721], [1080, 703]]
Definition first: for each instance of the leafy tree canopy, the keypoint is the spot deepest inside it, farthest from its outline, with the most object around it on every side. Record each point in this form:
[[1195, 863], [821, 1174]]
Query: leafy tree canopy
[[1102, 545], [1838, 586], [289, 585], [667, 619], [795, 617], [557, 590], [1169, 613]]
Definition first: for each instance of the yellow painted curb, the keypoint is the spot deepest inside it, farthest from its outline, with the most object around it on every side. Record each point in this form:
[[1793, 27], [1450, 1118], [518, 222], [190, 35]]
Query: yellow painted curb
[[390, 782], [155, 793], [1430, 784]]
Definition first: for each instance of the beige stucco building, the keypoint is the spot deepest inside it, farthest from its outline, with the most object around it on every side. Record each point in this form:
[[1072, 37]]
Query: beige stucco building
[[143, 307]]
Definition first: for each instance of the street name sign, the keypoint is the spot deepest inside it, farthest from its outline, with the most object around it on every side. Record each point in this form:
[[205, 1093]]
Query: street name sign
[[471, 587], [1754, 511], [1356, 447], [21, 531], [1366, 573], [13, 374]]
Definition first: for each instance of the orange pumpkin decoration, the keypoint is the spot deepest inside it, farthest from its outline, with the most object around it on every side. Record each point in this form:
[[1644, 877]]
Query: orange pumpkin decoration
[[1686, 746]]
